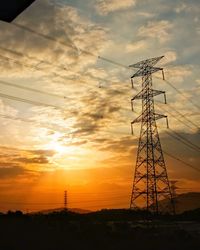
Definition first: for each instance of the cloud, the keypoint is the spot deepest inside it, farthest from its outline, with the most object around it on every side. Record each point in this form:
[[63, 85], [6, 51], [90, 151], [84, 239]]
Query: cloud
[[159, 30], [124, 144], [170, 56], [106, 6], [42, 153], [68, 32], [146, 14], [20, 158], [98, 108], [63, 31], [188, 7], [182, 150], [33, 160], [136, 46], [180, 8], [198, 30], [178, 73], [12, 171], [6, 109]]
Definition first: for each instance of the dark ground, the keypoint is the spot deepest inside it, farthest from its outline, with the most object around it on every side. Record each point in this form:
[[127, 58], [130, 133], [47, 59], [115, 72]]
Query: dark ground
[[108, 229]]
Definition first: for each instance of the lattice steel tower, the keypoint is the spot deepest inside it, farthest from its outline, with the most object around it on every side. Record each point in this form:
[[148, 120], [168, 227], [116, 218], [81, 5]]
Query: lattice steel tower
[[150, 179], [65, 199]]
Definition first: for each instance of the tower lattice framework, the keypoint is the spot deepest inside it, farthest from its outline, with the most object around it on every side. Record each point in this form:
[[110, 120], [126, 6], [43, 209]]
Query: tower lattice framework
[[151, 183]]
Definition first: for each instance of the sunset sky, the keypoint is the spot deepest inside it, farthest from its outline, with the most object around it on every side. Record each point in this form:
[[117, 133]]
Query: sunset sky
[[75, 132]]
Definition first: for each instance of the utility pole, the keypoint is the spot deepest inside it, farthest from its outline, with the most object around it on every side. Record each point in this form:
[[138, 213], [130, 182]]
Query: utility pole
[[65, 200], [151, 183]]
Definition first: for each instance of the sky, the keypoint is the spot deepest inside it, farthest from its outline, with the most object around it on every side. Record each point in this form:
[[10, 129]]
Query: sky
[[74, 134]]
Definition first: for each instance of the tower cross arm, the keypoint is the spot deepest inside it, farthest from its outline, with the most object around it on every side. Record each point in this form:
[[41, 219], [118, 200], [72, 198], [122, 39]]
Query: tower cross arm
[[159, 116], [147, 70], [138, 119], [138, 96], [157, 92], [142, 93], [151, 62]]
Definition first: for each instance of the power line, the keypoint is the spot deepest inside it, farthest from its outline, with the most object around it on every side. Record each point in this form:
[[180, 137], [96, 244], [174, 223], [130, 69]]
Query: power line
[[186, 140], [31, 57], [20, 63], [32, 66], [35, 67], [101, 206], [18, 99], [71, 45], [77, 202], [178, 112], [49, 126], [61, 203], [175, 117], [43, 61], [46, 125], [185, 163], [183, 142], [83, 51], [178, 91], [15, 118], [31, 89], [8, 117], [50, 38], [113, 62], [42, 104]]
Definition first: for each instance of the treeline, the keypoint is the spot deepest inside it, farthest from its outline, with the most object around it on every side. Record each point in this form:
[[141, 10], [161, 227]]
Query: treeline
[[109, 215]]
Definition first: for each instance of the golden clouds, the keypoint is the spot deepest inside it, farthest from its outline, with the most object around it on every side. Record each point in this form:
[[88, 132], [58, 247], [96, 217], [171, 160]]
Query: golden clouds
[[159, 30], [106, 6]]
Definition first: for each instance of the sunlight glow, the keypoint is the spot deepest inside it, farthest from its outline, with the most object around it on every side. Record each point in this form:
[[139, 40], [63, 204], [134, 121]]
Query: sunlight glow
[[58, 148]]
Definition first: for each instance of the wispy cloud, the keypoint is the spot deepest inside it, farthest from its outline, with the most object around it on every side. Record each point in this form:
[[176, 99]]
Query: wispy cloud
[[14, 161], [159, 30], [64, 32], [136, 46], [106, 6], [178, 73]]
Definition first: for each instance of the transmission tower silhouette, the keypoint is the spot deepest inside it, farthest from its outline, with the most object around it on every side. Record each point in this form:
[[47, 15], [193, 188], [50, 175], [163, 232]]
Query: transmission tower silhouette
[[65, 200], [151, 183], [174, 193]]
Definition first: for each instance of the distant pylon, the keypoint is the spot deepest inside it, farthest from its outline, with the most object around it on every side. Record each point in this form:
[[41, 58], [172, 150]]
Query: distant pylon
[[65, 199], [174, 193], [151, 182]]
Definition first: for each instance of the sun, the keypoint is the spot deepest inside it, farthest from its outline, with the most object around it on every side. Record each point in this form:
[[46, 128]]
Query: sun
[[57, 147], [56, 144]]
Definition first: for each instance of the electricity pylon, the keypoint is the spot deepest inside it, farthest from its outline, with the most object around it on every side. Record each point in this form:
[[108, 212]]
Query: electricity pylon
[[174, 193], [151, 182], [65, 199]]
